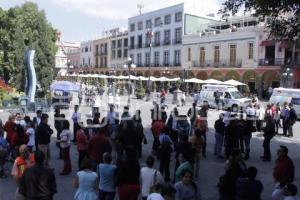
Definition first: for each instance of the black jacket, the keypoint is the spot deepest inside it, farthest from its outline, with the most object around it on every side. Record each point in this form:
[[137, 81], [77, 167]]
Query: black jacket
[[220, 126], [44, 133], [38, 183]]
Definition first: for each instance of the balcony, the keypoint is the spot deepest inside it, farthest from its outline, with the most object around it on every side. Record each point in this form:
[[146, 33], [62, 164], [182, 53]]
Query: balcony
[[177, 41], [159, 65], [222, 63], [271, 62], [166, 42]]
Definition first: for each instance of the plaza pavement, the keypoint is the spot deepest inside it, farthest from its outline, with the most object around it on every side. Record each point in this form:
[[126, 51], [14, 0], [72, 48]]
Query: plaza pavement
[[211, 168]]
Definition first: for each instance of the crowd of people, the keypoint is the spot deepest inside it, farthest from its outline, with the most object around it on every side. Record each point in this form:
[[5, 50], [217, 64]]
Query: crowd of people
[[109, 149]]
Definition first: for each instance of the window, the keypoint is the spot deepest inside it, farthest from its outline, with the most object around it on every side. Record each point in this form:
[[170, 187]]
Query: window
[[189, 54], [86, 49], [157, 21], [101, 62], [101, 48], [177, 57], [157, 38], [140, 41], [178, 17], [217, 55], [148, 24], [119, 53], [167, 37], [132, 27], [105, 61], [168, 19], [139, 59], [105, 48], [125, 53], [132, 42], [113, 44], [132, 57], [97, 62], [97, 49], [125, 42], [156, 58], [177, 35], [140, 26], [147, 59], [250, 51], [166, 58], [202, 56], [232, 58], [113, 54], [120, 43], [89, 61]]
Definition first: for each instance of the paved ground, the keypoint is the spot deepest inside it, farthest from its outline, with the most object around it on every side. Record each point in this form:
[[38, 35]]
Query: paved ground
[[210, 167]]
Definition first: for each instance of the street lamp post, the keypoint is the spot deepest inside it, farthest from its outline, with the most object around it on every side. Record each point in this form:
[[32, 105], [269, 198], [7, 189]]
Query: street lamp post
[[129, 65], [287, 74], [149, 35]]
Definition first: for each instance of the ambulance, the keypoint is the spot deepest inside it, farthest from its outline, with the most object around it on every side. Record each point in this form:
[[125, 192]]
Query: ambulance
[[281, 95], [230, 97]]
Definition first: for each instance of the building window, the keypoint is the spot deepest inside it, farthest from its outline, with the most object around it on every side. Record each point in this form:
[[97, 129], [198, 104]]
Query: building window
[[140, 41], [139, 59], [167, 37], [105, 61], [125, 42], [97, 62], [157, 21], [189, 54], [202, 56], [132, 27], [177, 57], [156, 58], [250, 51], [217, 55], [140, 26], [101, 62], [149, 24], [113, 44], [166, 58], [178, 32], [178, 17], [132, 42], [89, 61], [157, 38], [147, 59], [105, 48], [119, 53], [86, 49], [113, 54], [125, 53], [97, 49], [120, 43], [132, 57], [168, 19], [232, 58]]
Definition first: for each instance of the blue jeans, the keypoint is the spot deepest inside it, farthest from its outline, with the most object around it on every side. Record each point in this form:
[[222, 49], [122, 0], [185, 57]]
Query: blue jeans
[[219, 144], [106, 195]]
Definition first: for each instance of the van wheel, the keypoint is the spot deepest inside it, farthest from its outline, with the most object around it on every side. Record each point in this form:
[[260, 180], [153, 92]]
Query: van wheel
[[235, 108]]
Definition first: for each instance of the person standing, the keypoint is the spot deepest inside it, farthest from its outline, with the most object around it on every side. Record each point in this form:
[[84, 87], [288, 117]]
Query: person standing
[[185, 164], [107, 178], [248, 188], [277, 118], [219, 136], [260, 114], [38, 181], [31, 135], [269, 133], [85, 182], [192, 114], [82, 145], [38, 119], [284, 170], [149, 177], [202, 126], [44, 133], [65, 144], [217, 96], [285, 113], [292, 120], [156, 129], [196, 141], [76, 119]]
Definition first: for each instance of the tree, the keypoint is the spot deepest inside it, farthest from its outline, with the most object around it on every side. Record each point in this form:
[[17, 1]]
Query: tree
[[283, 16], [140, 91], [24, 28]]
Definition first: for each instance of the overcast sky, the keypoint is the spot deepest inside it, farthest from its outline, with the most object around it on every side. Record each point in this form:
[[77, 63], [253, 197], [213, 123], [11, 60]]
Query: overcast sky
[[80, 20]]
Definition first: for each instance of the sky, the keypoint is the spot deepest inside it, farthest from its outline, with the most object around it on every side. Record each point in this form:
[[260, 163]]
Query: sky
[[81, 20]]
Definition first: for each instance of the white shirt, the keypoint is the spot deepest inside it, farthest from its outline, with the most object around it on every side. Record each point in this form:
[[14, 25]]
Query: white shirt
[[260, 113], [65, 138], [76, 117], [155, 196], [250, 111], [31, 133], [147, 179]]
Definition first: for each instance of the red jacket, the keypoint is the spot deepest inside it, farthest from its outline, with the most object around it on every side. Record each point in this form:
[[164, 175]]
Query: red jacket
[[157, 128], [284, 170], [98, 145]]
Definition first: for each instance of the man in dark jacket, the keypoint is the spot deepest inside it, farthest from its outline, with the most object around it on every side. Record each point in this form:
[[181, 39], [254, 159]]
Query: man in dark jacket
[[219, 135], [269, 132], [44, 133], [38, 181]]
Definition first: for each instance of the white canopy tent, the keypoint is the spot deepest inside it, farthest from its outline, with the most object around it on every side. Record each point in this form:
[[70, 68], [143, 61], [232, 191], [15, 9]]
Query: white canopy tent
[[212, 81], [193, 80], [233, 82]]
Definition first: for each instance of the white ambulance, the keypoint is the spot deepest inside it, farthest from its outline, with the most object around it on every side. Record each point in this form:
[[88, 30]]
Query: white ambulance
[[281, 95], [229, 96]]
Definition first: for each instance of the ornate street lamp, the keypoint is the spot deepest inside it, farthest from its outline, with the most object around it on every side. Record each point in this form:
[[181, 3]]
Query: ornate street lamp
[[287, 75], [129, 64]]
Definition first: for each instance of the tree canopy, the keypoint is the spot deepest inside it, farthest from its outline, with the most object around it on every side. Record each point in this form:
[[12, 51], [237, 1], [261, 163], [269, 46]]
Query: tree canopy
[[26, 27], [283, 16]]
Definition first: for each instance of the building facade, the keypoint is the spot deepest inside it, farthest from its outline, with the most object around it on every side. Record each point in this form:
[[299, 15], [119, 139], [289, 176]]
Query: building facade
[[119, 48], [86, 54], [101, 56], [73, 57]]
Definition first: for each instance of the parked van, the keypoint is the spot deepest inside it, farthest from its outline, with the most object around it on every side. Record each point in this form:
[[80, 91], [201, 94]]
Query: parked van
[[230, 97], [281, 95]]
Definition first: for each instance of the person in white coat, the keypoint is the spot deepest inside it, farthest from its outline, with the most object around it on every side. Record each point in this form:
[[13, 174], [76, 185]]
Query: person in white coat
[[260, 115]]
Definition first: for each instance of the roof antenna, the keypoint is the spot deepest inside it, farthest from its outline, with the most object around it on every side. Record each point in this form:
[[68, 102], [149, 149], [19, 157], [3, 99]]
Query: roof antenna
[[140, 6]]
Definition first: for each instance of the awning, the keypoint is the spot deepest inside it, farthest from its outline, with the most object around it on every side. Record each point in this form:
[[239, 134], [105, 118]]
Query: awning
[[268, 43]]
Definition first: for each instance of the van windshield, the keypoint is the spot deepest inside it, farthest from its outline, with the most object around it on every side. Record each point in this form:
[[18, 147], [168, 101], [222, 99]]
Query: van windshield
[[236, 95], [295, 101]]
